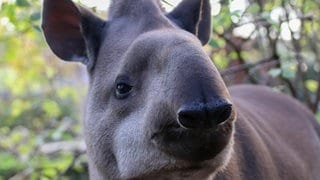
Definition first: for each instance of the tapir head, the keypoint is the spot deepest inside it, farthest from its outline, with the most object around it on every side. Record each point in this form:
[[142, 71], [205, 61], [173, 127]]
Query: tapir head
[[156, 105]]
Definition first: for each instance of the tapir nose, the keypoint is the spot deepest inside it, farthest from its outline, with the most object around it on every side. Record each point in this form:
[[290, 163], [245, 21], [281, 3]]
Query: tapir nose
[[204, 115]]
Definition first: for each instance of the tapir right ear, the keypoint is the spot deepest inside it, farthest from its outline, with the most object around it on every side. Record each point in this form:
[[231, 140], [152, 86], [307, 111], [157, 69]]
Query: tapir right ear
[[193, 16], [72, 32]]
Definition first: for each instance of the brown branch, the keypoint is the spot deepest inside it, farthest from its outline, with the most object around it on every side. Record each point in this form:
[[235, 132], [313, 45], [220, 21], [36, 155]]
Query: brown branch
[[75, 157], [290, 86], [317, 100], [238, 50], [246, 67], [263, 22], [53, 147], [300, 75], [313, 47]]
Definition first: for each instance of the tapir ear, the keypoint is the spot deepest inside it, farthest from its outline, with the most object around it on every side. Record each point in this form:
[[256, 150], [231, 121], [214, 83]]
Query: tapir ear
[[72, 32], [195, 17]]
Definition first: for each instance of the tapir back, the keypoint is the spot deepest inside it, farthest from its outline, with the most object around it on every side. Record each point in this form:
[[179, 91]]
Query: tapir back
[[275, 138]]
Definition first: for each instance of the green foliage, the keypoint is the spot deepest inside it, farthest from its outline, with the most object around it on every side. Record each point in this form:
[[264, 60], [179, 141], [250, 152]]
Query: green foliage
[[274, 43], [11, 165], [38, 99], [318, 116], [311, 85], [254, 8]]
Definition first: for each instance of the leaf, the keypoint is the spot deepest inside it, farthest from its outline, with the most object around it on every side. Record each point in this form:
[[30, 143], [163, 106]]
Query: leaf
[[18, 106], [265, 15], [233, 55], [288, 69], [318, 116], [312, 85], [274, 24], [16, 137], [50, 172], [275, 72], [220, 60], [213, 43], [35, 16], [309, 6], [254, 8], [236, 13], [37, 28], [12, 164], [51, 108], [22, 3]]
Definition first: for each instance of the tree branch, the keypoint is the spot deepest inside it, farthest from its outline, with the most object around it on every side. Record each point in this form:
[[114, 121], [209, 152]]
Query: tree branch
[[246, 67]]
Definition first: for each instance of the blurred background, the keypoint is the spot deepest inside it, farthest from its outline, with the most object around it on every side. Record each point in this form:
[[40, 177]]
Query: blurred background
[[274, 43]]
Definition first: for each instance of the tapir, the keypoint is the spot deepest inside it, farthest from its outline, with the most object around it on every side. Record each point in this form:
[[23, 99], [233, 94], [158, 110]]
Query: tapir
[[157, 107]]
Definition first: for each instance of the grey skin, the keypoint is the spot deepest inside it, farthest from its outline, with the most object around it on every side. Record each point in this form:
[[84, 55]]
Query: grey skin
[[157, 107]]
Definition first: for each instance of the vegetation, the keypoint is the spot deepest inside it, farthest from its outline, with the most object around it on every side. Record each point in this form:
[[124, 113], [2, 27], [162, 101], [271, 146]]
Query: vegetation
[[37, 106], [274, 43]]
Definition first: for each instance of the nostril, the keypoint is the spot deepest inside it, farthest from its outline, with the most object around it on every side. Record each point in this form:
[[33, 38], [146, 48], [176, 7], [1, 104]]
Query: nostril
[[204, 116], [222, 113], [189, 119]]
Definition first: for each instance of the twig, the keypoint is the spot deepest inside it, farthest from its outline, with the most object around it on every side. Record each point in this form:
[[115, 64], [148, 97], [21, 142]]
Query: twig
[[50, 148], [317, 100], [76, 155], [238, 50], [300, 76], [246, 67], [313, 46], [263, 22]]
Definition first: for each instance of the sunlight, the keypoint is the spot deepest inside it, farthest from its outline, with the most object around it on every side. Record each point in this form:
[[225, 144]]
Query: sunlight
[[103, 5], [237, 7], [5, 22]]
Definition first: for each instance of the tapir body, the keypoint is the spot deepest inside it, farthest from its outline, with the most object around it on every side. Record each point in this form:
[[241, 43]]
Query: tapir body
[[157, 107]]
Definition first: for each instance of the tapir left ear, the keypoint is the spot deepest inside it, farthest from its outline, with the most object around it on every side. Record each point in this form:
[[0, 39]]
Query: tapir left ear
[[72, 32], [193, 16]]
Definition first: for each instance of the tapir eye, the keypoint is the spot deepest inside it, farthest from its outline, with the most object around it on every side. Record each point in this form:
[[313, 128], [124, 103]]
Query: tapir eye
[[123, 90]]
